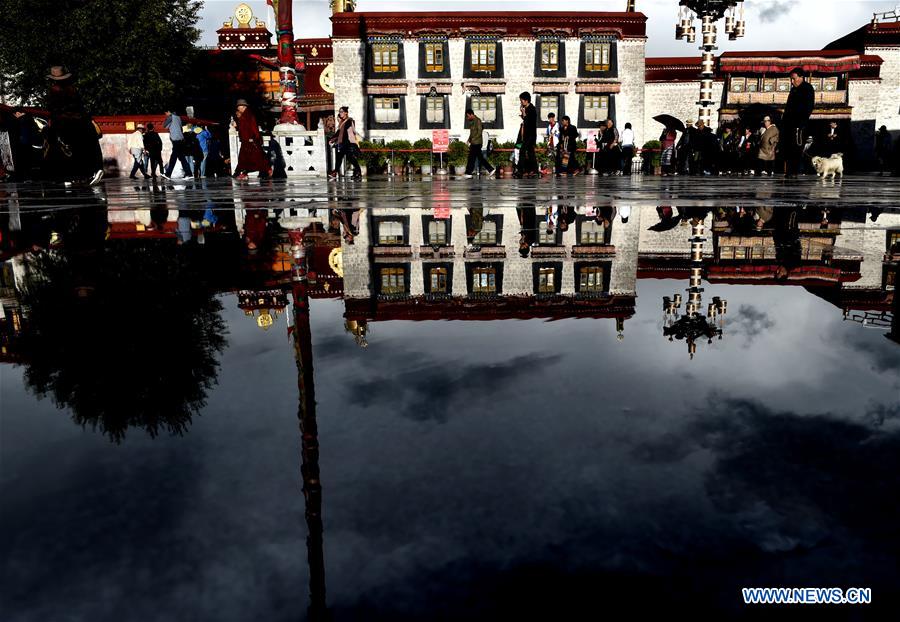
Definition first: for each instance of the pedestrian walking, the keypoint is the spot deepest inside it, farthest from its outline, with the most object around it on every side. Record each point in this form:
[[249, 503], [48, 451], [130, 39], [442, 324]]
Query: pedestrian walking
[[175, 125], [204, 136], [251, 157], [883, 150], [800, 103], [347, 143], [685, 148], [566, 160], [527, 139], [627, 139], [153, 146], [746, 152], [476, 142], [767, 147], [611, 159], [135, 144], [74, 153], [668, 159]]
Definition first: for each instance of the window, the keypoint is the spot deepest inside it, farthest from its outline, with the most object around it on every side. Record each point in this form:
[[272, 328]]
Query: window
[[434, 109], [385, 57], [393, 281], [816, 83], [545, 236], [549, 56], [271, 81], [438, 278], [768, 85], [487, 235], [484, 56], [437, 232], [485, 106], [547, 281], [738, 85], [387, 110], [829, 84], [549, 103], [590, 279], [390, 232], [592, 232], [484, 280], [596, 56], [434, 57], [752, 85], [783, 85], [596, 108]]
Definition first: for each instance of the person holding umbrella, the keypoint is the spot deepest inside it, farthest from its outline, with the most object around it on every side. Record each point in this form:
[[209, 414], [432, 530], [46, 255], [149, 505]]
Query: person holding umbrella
[[667, 142]]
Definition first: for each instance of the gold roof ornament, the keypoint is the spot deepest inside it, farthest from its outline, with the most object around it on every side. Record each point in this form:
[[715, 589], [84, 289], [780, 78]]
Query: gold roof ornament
[[343, 6], [243, 14], [265, 320]]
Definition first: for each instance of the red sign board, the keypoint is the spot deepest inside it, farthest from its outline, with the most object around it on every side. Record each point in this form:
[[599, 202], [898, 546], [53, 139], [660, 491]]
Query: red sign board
[[592, 141], [440, 141]]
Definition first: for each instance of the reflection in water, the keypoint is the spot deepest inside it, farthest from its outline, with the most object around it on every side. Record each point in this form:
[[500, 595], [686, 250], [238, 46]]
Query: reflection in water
[[126, 336], [128, 332]]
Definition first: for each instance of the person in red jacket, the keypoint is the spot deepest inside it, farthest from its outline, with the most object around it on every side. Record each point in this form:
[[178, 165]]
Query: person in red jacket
[[251, 157]]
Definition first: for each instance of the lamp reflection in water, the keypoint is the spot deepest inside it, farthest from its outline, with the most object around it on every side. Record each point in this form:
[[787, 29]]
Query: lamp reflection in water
[[692, 324]]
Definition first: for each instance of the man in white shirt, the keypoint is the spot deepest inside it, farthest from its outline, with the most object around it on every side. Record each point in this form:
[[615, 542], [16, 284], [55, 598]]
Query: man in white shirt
[[627, 141], [136, 149], [551, 135]]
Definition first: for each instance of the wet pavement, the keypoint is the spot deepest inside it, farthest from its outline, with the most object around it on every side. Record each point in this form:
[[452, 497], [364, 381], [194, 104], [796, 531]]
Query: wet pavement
[[453, 401]]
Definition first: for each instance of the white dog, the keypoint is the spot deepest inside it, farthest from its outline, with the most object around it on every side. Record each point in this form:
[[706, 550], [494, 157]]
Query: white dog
[[829, 166]]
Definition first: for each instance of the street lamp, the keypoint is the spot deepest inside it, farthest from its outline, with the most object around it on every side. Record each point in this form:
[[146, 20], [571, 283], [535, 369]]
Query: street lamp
[[709, 12], [692, 324]]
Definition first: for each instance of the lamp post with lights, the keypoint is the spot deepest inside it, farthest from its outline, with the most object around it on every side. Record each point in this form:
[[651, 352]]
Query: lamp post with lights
[[709, 12]]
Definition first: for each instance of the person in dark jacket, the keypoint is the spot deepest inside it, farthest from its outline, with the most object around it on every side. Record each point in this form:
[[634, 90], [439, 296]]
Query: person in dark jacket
[[475, 140], [527, 139], [883, 149], [153, 145], [26, 150], [685, 149], [800, 103], [566, 161], [74, 143]]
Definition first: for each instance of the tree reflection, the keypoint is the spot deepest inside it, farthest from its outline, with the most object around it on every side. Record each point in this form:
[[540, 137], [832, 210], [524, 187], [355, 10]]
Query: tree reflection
[[127, 336]]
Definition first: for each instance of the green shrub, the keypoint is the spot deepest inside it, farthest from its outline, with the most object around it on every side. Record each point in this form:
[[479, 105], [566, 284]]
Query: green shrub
[[399, 157], [655, 157], [458, 153], [374, 161], [421, 158]]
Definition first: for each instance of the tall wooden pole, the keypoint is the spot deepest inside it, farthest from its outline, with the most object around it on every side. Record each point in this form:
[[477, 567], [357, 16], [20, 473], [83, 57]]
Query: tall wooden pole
[[284, 18]]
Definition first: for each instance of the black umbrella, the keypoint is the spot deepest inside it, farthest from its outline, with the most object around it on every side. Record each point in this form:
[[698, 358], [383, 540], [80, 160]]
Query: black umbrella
[[752, 116], [670, 122], [667, 219]]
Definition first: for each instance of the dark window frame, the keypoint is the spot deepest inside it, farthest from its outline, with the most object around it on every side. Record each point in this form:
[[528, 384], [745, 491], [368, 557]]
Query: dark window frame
[[423, 121], [497, 219], [423, 72], [467, 60], [426, 236], [377, 221], [427, 267], [607, 274], [371, 123], [405, 267], [610, 112], [389, 75], [539, 71], [498, 277], [498, 123], [557, 276], [612, 72], [560, 111]]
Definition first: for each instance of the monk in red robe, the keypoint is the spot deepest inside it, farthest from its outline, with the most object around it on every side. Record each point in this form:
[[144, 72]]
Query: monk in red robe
[[252, 158]]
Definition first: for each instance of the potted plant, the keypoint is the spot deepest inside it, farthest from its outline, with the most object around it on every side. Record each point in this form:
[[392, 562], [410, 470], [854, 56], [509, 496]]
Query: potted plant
[[457, 155], [373, 160], [503, 152], [400, 154], [652, 160], [422, 159]]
